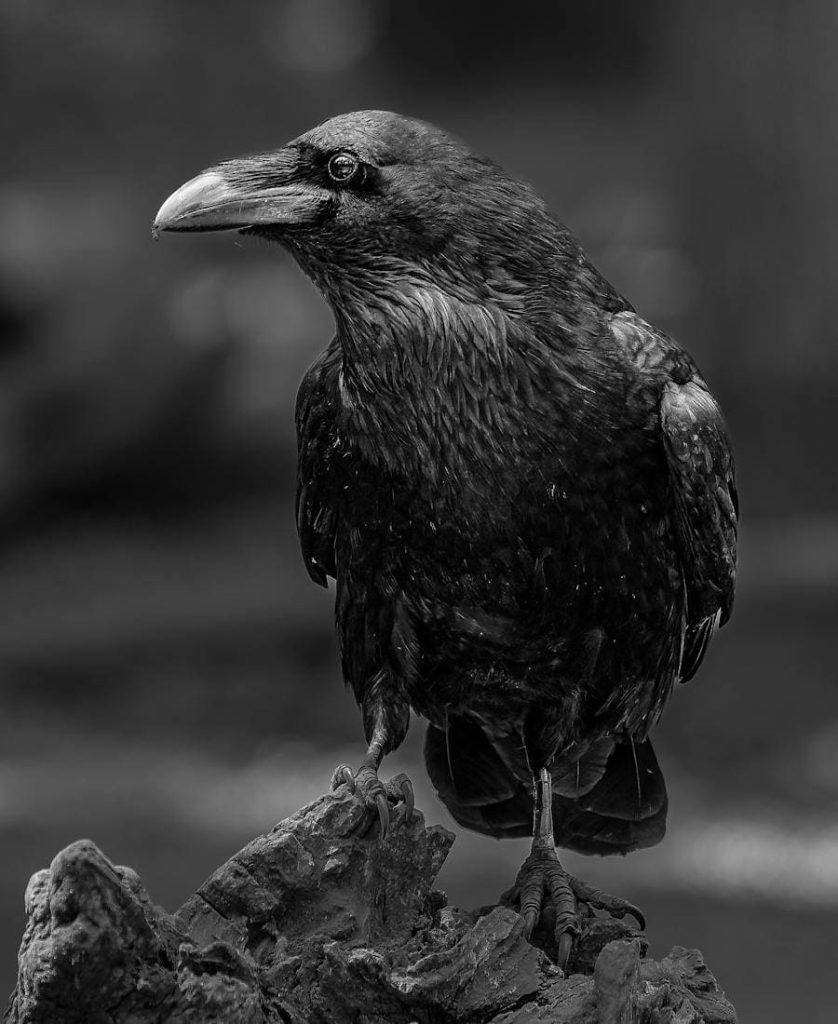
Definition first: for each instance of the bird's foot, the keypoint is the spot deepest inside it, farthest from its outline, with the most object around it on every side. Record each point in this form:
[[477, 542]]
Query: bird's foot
[[543, 890], [379, 797], [543, 884]]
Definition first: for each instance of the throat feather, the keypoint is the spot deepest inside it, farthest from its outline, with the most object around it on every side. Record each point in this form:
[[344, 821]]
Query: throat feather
[[430, 382]]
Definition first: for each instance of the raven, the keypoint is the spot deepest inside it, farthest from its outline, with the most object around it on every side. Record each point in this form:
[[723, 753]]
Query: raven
[[523, 490]]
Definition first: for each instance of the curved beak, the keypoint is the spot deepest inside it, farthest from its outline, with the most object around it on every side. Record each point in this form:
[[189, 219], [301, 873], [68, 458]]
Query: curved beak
[[260, 190]]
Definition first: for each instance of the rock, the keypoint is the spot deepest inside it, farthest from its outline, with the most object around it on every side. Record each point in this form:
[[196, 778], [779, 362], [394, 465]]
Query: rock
[[313, 923]]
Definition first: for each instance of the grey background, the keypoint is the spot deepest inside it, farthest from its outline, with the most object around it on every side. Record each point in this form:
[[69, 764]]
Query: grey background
[[168, 676]]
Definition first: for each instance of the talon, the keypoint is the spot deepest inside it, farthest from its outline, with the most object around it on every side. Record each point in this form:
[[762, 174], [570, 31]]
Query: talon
[[613, 905], [548, 893], [343, 776], [636, 914], [565, 945], [399, 791], [619, 909], [383, 814], [377, 798]]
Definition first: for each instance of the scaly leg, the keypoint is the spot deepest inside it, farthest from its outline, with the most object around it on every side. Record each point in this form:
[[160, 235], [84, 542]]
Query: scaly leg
[[542, 880]]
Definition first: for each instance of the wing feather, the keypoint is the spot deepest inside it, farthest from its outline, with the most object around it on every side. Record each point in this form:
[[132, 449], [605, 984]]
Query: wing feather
[[316, 448], [701, 474]]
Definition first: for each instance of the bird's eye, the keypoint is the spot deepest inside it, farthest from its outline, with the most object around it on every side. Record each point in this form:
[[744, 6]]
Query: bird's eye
[[342, 167]]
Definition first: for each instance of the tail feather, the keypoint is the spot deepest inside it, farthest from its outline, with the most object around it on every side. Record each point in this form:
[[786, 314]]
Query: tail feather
[[624, 809], [582, 767], [475, 774]]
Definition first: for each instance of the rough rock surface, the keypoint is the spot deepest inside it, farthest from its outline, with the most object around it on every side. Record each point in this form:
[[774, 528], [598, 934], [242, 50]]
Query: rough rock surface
[[314, 923]]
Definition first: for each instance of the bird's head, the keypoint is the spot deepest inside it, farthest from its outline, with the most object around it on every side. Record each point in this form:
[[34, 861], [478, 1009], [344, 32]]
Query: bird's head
[[372, 202]]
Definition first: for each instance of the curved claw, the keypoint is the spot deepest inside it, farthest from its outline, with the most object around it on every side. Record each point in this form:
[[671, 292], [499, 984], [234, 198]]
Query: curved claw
[[371, 813], [343, 776], [613, 905], [365, 784], [565, 945], [383, 809], [638, 915], [530, 921]]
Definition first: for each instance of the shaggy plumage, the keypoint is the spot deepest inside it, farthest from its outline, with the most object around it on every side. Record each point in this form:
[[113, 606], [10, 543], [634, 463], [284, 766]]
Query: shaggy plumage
[[524, 490]]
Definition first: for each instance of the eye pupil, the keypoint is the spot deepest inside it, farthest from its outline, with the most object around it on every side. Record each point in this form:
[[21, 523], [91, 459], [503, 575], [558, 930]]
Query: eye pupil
[[342, 167]]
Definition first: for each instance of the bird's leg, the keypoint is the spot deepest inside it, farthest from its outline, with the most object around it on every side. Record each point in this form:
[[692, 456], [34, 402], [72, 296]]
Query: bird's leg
[[376, 795], [542, 878], [542, 882]]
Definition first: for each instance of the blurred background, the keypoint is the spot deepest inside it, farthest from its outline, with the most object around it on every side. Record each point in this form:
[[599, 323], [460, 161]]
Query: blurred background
[[168, 674]]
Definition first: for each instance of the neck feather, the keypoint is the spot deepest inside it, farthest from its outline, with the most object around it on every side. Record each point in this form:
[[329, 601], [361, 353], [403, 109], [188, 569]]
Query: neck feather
[[433, 384]]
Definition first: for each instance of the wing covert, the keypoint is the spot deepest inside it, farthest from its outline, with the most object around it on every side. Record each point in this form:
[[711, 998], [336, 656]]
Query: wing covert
[[316, 441], [701, 473]]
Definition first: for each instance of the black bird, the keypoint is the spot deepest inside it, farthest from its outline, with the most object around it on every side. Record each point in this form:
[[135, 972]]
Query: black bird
[[524, 490]]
